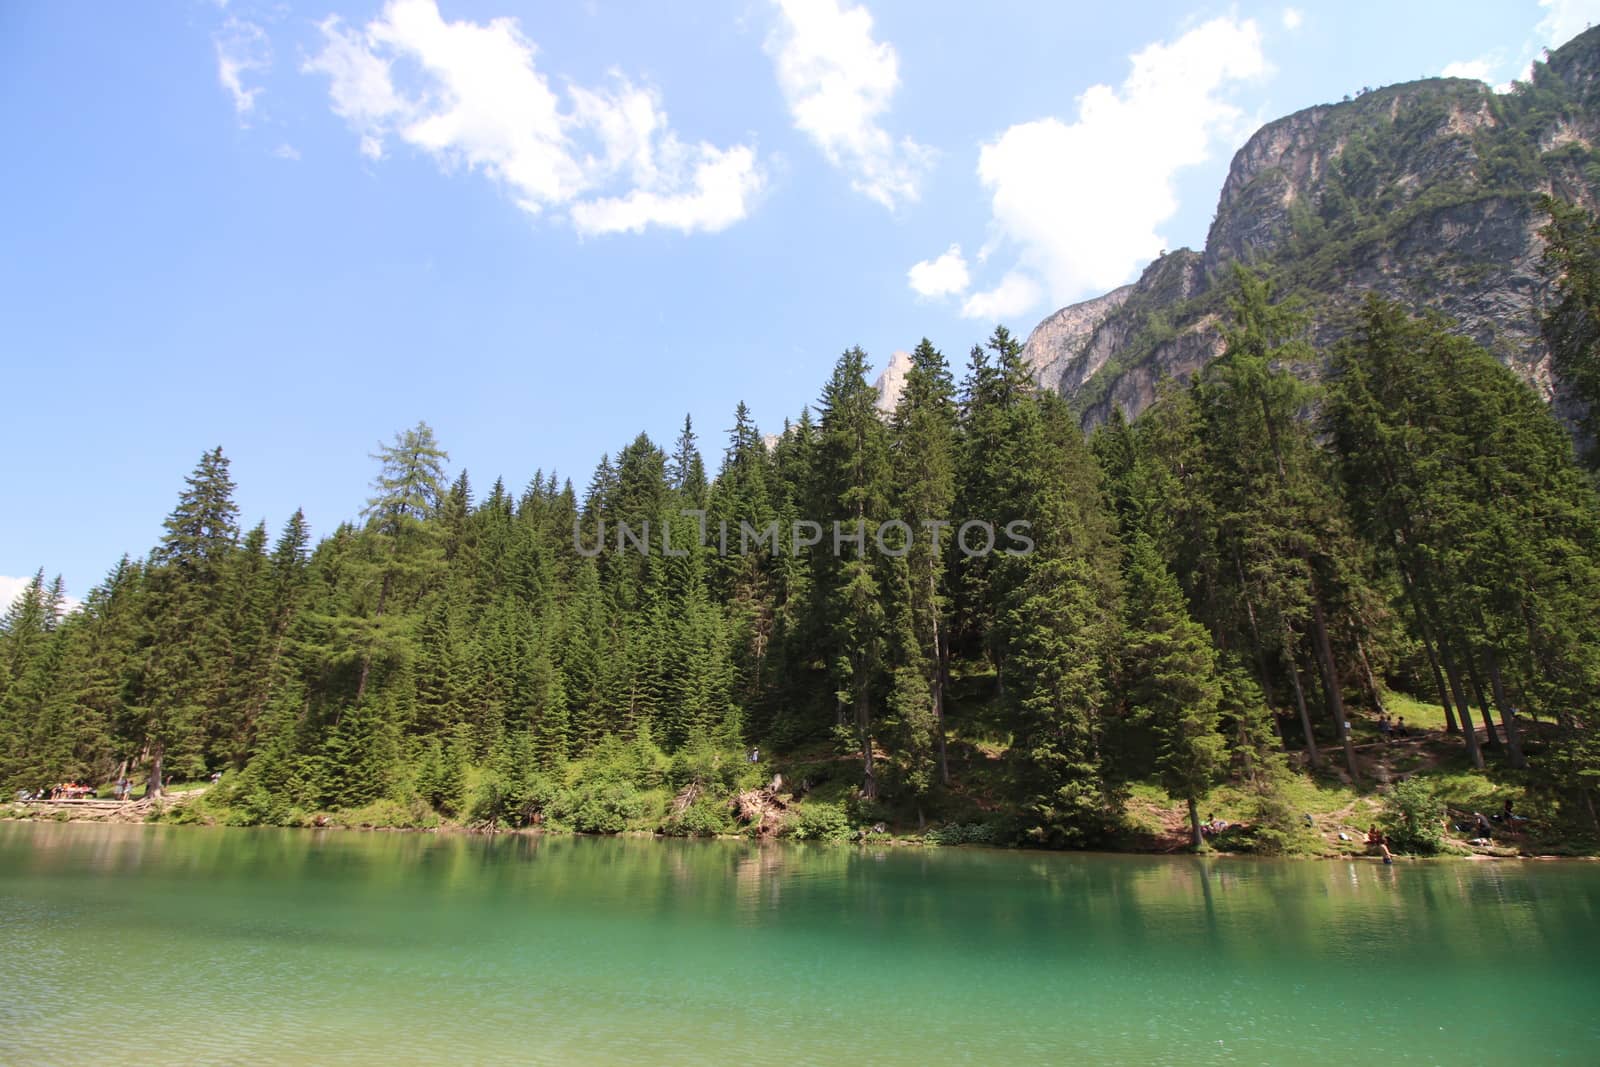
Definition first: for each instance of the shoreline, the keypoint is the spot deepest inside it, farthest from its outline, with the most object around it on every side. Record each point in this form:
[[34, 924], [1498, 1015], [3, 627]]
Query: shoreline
[[12, 814]]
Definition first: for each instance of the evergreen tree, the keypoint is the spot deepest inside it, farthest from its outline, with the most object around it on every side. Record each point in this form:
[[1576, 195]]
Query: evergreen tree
[[686, 471], [1173, 687], [1062, 625], [182, 685], [923, 441], [851, 479]]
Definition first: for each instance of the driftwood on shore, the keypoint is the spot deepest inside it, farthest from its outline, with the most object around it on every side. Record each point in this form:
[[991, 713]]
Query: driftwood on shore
[[95, 809], [683, 800], [764, 809]]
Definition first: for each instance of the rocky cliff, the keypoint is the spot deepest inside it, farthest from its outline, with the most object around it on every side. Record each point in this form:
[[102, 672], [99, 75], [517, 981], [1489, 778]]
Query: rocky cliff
[[1425, 192]]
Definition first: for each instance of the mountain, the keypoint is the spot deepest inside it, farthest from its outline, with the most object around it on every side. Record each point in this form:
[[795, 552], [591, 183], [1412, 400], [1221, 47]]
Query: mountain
[[1426, 192], [892, 381]]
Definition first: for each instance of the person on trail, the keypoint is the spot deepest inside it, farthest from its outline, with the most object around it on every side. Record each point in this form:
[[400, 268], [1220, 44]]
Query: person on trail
[[1400, 727]]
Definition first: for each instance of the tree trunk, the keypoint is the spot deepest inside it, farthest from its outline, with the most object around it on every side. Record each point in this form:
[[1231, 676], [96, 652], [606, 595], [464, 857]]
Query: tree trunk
[[361, 681], [1256, 644], [1492, 739], [1507, 717], [1372, 679], [1467, 732], [152, 786], [1414, 598], [1438, 680], [940, 679], [1194, 824], [1305, 716], [1330, 678], [869, 778]]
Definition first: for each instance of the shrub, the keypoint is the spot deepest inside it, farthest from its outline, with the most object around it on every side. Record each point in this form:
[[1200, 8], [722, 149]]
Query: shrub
[[1275, 829], [388, 813], [489, 802], [817, 822], [704, 818], [259, 806], [605, 807], [1413, 817], [963, 833]]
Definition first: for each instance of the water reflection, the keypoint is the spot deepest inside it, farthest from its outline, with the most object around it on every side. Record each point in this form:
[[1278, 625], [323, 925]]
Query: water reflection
[[704, 950]]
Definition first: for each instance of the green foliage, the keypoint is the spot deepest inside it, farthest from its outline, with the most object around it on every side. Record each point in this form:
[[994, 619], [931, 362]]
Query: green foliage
[[818, 821], [1413, 818], [970, 833], [607, 806], [705, 817], [1276, 828]]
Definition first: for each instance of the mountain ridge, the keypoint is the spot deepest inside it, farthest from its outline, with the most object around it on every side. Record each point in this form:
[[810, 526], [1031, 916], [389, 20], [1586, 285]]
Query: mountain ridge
[[1425, 191]]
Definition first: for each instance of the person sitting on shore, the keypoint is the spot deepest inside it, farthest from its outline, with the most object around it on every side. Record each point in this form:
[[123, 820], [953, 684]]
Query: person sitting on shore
[[1480, 825], [1400, 727]]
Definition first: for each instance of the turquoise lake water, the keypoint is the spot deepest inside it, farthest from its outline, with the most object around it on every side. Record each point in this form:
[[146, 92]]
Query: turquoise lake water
[[187, 944]]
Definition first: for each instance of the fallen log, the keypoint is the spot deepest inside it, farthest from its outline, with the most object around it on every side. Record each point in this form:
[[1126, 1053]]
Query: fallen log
[[683, 800]]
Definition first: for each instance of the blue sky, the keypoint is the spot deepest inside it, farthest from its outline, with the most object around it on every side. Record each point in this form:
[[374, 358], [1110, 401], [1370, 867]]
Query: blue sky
[[294, 228]]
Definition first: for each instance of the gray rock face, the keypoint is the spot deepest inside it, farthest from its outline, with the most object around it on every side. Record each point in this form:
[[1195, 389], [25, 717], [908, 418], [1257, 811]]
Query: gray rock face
[[1424, 192], [1061, 351], [892, 381]]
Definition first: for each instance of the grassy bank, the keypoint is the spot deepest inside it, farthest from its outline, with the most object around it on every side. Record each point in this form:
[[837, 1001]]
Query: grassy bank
[[812, 794]]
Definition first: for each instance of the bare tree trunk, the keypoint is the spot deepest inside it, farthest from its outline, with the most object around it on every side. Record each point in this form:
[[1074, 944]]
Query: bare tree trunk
[[361, 681], [1305, 716], [940, 678], [1414, 598], [1263, 676], [152, 786], [1330, 678], [1438, 680], [1194, 824], [1467, 732], [1492, 739], [869, 778], [1507, 716], [1372, 679]]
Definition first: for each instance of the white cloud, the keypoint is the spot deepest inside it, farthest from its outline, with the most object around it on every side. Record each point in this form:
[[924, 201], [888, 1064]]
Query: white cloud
[[242, 49], [945, 276], [838, 83], [11, 588], [286, 151], [1481, 69], [1080, 201], [1562, 20], [723, 181], [471, 96], [1293, 17], [1015, 294], [1565, 19]]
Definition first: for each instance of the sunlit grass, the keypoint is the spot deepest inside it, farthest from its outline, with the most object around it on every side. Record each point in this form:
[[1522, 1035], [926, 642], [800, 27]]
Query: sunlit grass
[[1421, 714]]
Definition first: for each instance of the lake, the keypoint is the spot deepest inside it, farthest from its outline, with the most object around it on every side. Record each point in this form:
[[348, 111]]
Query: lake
[[185, 944]]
